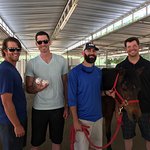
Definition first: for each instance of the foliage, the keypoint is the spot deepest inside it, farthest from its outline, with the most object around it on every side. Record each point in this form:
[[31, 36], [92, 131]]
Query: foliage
[[146, 56], [114, 60]]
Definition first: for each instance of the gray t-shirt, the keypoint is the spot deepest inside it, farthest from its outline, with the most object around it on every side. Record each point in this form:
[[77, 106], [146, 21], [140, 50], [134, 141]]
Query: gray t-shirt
[[52, 97]]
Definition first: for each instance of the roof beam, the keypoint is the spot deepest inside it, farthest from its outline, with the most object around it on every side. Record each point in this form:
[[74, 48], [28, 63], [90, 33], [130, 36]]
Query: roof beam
[[67, 12]]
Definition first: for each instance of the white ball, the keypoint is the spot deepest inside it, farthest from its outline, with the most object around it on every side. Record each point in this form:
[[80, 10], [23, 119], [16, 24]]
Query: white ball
[[38, 81], [45, 82]]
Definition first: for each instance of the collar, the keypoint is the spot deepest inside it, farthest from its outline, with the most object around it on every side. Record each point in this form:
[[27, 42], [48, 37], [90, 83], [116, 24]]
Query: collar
[[88, 69]]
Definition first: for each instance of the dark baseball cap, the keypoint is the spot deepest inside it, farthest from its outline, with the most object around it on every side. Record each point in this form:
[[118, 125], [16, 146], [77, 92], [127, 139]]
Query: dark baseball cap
[[89, 46]]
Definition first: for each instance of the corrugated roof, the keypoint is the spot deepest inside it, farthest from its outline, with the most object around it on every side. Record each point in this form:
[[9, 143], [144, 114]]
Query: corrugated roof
[[26, 17]]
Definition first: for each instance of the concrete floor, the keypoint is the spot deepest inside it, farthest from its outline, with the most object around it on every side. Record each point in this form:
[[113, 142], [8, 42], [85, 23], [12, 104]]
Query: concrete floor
[[117, 145]]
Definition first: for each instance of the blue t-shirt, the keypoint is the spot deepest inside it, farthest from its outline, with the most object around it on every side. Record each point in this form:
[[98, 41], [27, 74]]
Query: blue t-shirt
[[11, 82], [84, 92]]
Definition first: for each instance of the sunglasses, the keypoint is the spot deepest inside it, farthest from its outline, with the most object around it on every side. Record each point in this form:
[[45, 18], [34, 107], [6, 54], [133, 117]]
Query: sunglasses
[[44, 41], [14, 49]]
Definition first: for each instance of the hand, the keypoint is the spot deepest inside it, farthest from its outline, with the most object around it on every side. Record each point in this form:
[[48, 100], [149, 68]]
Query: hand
[[39, 87], [19, 131], [77, 126], [110, 93], [66, 112]]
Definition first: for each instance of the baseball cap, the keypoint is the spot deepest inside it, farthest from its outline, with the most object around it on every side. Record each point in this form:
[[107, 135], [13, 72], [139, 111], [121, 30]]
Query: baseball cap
[[90, 45]]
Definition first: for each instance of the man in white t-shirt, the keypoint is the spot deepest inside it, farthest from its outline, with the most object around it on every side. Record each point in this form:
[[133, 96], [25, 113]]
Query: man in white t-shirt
[[46, 77]]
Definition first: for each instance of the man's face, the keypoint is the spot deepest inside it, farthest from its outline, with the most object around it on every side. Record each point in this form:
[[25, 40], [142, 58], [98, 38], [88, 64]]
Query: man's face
[[43, 43], [90, 55], [12, 56], [132, 48]]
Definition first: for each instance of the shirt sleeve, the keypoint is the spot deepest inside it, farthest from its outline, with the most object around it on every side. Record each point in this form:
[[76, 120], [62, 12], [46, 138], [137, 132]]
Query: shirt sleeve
[[72, 88], [29, 69]]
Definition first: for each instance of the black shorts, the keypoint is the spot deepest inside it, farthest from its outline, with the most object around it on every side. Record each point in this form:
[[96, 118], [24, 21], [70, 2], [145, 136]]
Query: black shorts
[[129, 126], [41, 119]]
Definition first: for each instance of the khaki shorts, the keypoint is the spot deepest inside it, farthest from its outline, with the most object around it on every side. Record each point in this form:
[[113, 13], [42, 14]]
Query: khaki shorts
[[95, 134]]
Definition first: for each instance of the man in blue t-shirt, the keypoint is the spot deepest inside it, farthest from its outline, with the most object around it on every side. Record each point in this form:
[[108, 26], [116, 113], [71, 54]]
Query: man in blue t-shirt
[[13, 115], [84, 98]]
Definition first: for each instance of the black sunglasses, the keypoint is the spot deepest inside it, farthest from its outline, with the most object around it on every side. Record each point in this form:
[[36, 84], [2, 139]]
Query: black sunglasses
[[44, 41], [14, 49]]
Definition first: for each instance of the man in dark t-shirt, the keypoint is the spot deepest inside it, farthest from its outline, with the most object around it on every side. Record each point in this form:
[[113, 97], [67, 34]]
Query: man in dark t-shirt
[[13, 114], [135, 61]]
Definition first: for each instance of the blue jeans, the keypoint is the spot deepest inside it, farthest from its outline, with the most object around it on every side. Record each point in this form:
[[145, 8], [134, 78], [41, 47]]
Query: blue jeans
[[9, 140]]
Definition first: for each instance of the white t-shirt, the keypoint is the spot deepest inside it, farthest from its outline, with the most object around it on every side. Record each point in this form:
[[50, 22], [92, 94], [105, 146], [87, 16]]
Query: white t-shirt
[[52, 97]]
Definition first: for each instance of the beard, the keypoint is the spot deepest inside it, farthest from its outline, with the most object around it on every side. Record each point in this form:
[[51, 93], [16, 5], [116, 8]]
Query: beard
[[90, 59]]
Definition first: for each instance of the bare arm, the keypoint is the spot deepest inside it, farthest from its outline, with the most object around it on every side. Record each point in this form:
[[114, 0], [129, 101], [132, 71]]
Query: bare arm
[[66, 111], [76, 122], [32, 87], [64, 80], [11, 114]]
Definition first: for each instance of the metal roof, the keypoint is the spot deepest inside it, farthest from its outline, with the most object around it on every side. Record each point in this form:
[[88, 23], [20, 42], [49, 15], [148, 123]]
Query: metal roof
[[26, 17]]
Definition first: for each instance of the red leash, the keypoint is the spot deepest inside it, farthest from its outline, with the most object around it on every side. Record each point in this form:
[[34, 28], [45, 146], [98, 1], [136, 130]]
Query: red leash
[[85, 130]]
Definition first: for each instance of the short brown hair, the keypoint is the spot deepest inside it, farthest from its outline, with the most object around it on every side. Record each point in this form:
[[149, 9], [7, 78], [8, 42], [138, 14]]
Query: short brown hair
[[9, 39], [41, 33], [130, 40]]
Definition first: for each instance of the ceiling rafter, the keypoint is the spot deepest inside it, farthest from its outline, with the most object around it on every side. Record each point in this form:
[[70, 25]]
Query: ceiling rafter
[[66, 14]]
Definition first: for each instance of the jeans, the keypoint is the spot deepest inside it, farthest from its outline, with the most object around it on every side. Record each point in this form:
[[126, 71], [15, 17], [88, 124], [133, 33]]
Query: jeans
[[8, 138]]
